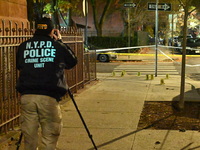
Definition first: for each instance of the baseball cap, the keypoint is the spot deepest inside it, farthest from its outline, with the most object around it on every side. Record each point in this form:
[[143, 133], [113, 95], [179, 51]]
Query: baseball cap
[[44, 26]]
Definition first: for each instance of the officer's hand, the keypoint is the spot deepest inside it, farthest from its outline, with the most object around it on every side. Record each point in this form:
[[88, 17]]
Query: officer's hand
[[57, 35]]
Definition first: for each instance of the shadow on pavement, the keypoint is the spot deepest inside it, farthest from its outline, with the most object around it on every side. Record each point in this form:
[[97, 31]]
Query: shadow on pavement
[[164, 115], [131, 133]]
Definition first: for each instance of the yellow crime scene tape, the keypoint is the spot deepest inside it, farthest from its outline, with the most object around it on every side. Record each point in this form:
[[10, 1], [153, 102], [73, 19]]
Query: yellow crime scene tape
[[105, 51], [170, 56]]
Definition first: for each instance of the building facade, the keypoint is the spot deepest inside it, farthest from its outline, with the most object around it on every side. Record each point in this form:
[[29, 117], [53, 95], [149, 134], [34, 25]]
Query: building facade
[[12, 10]]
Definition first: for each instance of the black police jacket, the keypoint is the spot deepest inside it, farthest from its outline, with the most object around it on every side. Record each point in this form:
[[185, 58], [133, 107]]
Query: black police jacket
[[41, 61]]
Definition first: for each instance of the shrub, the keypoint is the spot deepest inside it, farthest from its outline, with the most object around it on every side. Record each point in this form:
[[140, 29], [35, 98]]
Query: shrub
[[111, 42]]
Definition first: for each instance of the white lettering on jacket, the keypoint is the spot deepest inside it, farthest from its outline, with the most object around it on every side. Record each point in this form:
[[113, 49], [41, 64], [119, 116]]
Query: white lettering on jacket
[[43, 53], [39, 52], [38, 44]]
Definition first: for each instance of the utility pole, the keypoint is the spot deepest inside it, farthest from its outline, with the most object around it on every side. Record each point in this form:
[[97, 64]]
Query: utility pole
[[156, 40], [129, 5], [158, 7], [85, 12], [129, 28], [172, 37]]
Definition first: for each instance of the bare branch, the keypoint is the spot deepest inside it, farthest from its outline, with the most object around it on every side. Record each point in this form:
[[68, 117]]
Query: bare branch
[[193, 10], [181, 2]]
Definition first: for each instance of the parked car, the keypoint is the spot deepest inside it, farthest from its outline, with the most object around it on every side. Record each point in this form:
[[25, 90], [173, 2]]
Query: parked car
[[193, 43], [152, 40], [102, 56], [173, 41], [106, 56], [192, 46], [179, 40]]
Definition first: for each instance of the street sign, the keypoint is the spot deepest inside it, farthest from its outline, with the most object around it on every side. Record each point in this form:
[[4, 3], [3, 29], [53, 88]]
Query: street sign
[[161, 6], [129, 5]]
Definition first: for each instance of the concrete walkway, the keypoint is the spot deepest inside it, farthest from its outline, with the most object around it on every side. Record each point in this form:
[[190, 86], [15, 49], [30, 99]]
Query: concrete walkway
[[111, 108]]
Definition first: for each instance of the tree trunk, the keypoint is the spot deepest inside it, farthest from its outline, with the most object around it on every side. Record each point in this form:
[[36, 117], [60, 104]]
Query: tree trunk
[[99, 24], [182, 90], [99, 32]]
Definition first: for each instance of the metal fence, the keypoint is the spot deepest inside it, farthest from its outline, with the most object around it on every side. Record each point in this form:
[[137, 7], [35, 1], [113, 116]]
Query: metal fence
[[11, 35]]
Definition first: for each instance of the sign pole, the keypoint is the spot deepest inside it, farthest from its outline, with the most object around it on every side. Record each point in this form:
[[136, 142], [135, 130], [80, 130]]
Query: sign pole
[[85, 12], [86, 20], [156, 40], [129, 28], [161, 6], [158, 7], [129, 5]]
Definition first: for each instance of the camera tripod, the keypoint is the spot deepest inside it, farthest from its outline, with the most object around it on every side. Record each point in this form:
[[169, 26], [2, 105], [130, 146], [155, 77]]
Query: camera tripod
[[86, 128]]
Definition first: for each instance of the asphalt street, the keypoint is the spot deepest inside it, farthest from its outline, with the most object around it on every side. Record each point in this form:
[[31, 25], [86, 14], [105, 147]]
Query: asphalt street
[[192, 62]]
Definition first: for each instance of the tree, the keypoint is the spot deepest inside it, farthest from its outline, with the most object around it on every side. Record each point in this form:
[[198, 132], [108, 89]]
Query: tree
[[189, 6], [38, 7], [192, 23], [99, 15], [137, 14], [58, 7], [35, 9], [140, 16], [143, 19]]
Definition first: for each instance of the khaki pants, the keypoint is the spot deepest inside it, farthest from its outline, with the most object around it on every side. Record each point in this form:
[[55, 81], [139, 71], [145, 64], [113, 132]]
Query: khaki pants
[[44, 111]]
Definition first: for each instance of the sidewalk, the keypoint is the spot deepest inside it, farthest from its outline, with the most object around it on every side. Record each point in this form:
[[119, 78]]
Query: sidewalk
[[111, 108]]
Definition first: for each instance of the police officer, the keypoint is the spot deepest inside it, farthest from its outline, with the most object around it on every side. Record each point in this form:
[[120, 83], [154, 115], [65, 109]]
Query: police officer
[[41, 62]]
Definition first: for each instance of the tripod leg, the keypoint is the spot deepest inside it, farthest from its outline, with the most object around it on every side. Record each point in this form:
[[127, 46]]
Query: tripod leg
[[19, 142], [86, 128]]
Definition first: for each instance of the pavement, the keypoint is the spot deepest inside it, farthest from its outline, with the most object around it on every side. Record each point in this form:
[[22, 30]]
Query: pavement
[[111, 108]]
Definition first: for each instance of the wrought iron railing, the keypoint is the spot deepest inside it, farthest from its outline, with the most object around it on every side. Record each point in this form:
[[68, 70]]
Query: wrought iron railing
[[11, 35]]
